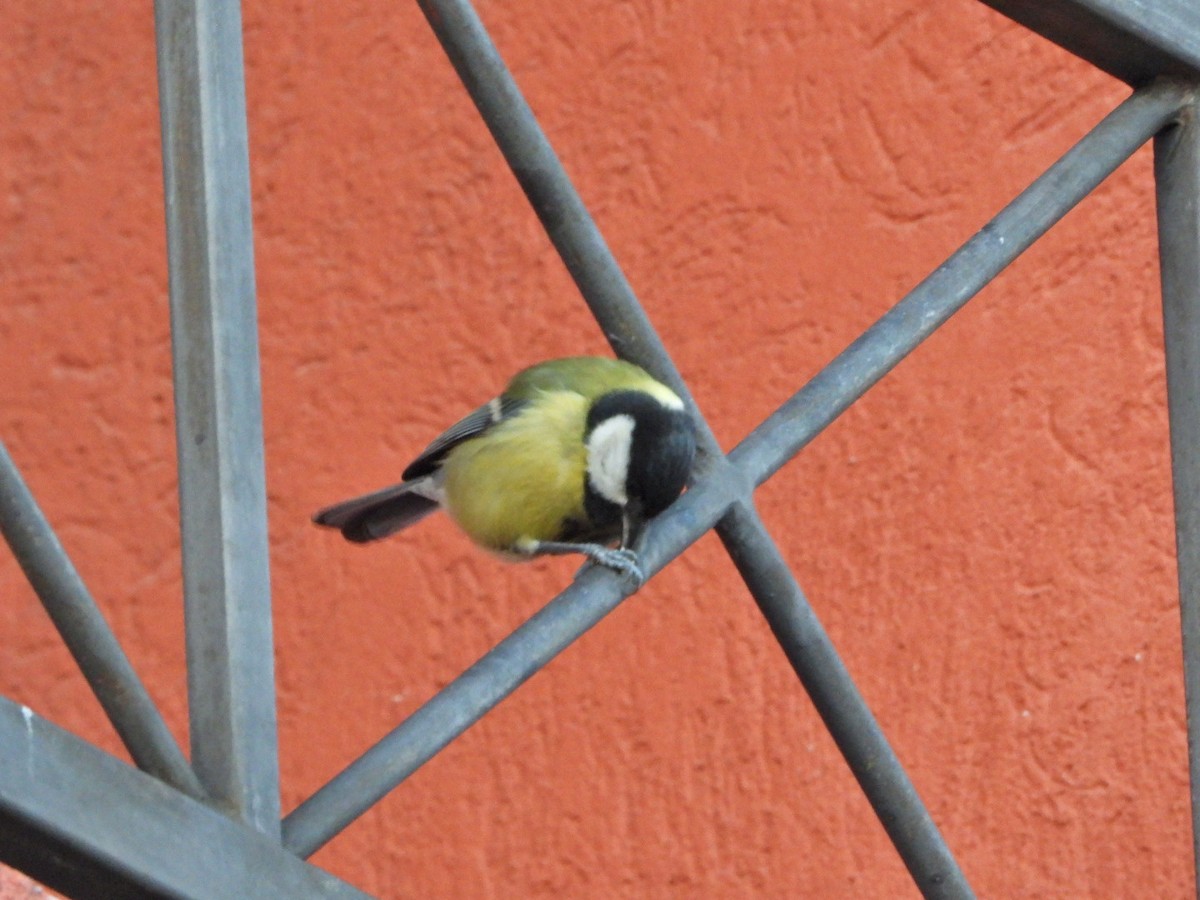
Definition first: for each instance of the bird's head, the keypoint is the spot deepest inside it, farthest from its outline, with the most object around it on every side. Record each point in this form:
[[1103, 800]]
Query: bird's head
[[640, 448]]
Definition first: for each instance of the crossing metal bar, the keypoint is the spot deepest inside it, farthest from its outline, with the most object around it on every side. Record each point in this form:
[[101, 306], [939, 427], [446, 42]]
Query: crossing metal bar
[[1134, 40], [607, 292], [214, 336], [830, 392], [957, 280], [91, 827], [222, 486], [573, 232], [86, 633], [1177, 177]]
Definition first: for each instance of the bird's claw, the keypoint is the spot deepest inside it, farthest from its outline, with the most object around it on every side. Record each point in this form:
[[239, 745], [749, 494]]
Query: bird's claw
[[621, 560]]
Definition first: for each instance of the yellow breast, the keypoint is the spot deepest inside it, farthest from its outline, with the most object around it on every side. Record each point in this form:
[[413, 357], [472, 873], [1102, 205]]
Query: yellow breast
[[522, 480]]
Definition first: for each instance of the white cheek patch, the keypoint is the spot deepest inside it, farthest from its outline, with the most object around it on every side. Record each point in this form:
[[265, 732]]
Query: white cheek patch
[[608, 449]]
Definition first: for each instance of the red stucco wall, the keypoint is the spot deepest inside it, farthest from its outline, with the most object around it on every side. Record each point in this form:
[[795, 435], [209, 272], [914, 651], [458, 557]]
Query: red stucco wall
[[987, 535], [15, 886]]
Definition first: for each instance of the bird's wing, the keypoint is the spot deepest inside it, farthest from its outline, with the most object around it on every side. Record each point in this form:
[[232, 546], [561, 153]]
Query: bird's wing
[[383, 512], [470, 426]]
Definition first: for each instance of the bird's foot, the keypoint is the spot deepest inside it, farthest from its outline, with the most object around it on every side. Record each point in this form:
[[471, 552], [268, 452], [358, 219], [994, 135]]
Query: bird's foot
[[621, 560]]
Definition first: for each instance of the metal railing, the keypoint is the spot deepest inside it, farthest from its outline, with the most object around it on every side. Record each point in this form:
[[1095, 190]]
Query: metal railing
[[234, 768]]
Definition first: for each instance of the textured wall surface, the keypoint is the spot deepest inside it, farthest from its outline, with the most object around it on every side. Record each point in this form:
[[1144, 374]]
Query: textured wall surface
[[15, 886], [987, 535]]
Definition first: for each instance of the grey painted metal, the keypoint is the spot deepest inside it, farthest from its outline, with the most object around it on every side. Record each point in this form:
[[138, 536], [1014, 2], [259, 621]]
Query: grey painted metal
[[90, 826], [202, 135], [214, 335], [609, 295], [503, 669], [86, 633], [1177, 173], [841, 706], [899, 331], [612, 301], [1134, 40], [545, 182]]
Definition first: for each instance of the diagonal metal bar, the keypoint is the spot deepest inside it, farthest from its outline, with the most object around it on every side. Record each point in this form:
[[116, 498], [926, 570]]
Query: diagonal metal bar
[[554, 199], [214, 334], [841, 706], [1177, 175], [900, 330], [90, 826], [1134, 40], [503, 669], [839, 384], [87, 635]]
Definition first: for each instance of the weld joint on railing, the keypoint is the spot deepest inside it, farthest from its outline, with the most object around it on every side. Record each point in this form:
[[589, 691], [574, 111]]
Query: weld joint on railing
[[1189, 94]]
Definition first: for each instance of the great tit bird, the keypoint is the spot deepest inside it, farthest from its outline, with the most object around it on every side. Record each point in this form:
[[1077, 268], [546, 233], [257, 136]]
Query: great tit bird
[[574, 455]]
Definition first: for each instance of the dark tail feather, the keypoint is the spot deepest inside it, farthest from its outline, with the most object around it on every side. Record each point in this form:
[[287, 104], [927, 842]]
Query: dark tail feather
[[375, 516]]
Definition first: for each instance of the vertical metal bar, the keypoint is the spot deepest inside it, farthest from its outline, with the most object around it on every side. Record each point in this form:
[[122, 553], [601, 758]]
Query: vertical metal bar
[[87, 635], [1177, 175], [218, 411], [846, 715]]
